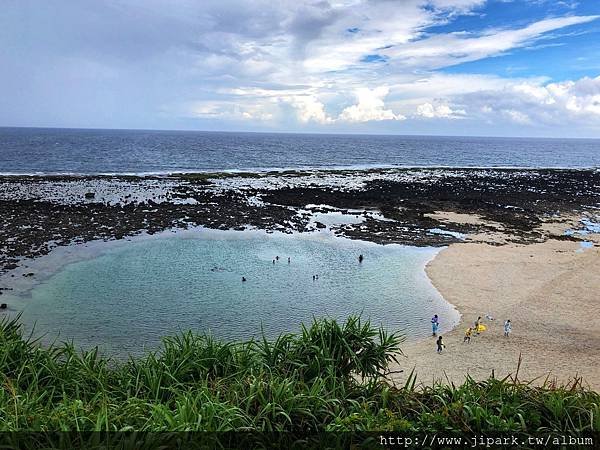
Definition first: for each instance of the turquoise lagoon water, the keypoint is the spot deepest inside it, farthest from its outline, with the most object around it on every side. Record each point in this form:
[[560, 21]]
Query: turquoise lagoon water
[[127, 296]]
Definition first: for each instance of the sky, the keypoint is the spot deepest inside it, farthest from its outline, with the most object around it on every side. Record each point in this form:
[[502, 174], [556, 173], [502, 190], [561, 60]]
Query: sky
[[436, 67]]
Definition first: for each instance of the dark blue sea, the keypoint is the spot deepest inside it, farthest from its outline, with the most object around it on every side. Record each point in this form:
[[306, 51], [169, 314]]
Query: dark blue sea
[[42, 151]]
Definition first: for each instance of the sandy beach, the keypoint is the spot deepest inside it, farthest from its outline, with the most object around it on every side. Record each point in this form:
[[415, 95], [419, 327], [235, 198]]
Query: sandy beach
[[550, 292]]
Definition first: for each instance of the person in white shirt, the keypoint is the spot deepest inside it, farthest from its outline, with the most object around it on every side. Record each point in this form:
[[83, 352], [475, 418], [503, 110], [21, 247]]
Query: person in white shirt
[[507, 328]]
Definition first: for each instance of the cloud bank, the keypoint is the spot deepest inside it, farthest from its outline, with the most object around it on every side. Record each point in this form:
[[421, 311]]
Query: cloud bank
[[316, 65]]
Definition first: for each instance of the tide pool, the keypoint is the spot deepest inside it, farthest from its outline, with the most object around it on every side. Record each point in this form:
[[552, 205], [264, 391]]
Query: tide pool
[[127, 296]]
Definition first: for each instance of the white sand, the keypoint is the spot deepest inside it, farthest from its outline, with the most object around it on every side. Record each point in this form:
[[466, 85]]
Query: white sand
[[551, 293]]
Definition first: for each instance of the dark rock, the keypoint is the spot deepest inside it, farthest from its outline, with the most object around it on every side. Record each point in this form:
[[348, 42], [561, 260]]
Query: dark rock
[[320, 225], [518, 199]]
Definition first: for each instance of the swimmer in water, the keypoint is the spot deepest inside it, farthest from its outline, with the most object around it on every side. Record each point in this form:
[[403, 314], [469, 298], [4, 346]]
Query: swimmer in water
[[243, 279], [360, 258]]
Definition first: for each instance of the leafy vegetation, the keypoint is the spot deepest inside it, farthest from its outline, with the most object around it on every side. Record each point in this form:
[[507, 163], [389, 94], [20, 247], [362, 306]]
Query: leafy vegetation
[[329, 377]]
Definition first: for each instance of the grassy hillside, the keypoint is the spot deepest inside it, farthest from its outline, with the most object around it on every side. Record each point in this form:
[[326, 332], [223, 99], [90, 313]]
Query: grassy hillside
[[329, 377]]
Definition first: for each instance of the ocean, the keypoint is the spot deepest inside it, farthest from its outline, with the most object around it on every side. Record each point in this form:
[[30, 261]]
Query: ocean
[[79, 151]]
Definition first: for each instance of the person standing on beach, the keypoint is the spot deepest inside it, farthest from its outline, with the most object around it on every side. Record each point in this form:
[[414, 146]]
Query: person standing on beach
[[477, 324], [435, 324], [440, 345], [468, 334], [507, 328]]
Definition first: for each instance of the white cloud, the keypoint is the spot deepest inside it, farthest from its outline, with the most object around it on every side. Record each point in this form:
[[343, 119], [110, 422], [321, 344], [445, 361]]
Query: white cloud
[[457, 5], [439, 111], [370, 106], [376, 25], [516, 116], [309, 108], [444, 50], [541, 104], [208, 110], [223, 109], [531, 101]]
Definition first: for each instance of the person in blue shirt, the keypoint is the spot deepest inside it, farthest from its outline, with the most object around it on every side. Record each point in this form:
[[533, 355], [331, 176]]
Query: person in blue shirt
[[435, 324]]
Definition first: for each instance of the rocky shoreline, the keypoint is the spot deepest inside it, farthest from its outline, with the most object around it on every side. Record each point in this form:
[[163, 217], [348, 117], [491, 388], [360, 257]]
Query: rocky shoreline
[[389, 205]]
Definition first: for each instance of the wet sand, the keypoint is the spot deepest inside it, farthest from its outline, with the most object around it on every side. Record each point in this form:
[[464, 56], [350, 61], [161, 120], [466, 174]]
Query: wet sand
[[551, 293]]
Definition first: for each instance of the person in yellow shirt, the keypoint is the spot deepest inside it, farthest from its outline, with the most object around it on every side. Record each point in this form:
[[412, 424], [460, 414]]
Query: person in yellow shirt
[[468, 334], [478, 325]]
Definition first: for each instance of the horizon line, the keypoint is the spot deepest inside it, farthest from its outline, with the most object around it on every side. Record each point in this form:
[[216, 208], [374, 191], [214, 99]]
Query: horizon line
[[187, 130]]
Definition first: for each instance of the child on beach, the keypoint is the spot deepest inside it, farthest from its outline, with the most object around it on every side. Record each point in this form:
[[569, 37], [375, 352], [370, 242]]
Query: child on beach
[[507, 328], [468, 334], [477, 323], [440, 345], [435, 324]]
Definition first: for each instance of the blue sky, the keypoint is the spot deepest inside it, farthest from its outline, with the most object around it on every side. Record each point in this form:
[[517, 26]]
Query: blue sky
[[451, 67]]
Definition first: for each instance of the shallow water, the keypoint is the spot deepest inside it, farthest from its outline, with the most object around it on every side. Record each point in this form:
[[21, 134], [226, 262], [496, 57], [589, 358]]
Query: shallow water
[[129, 295]]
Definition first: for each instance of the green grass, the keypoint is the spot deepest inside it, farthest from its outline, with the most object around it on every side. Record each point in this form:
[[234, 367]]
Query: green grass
[[329, 377]]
